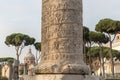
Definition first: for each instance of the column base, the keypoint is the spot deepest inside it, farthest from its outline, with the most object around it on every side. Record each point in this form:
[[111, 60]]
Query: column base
[[60, 77]]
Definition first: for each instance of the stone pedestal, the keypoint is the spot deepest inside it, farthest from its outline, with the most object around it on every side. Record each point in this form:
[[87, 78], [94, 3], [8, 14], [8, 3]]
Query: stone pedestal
[[60, 77]]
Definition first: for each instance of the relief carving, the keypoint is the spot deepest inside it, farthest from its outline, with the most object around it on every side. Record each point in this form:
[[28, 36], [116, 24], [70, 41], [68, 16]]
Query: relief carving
[[56, 45], [64, 4], [57, 56], [65, 16], [62, 37]]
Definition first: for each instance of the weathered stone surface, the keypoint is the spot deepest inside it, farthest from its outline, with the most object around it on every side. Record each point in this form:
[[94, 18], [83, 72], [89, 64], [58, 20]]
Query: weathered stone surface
[[60, 77], [62, 49]]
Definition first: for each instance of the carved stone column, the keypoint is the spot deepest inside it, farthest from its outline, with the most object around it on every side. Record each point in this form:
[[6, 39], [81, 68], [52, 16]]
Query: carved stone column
[[62, 37]]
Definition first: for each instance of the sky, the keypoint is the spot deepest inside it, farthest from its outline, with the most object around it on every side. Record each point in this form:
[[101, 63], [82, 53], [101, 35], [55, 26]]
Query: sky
[[24, 16], [95, 10]]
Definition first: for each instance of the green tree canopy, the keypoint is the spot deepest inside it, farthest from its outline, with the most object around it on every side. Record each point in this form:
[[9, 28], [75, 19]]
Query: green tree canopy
[[19, 41], [108, 26], [7, 59], [38, 49], [85, 41], [98, 37], [37, 46], [16, 39], [95, 50], [85, 34]]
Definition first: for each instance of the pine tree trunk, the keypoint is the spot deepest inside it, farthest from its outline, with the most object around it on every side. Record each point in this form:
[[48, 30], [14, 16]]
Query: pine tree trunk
[[102, 60], [102, 57], [17, 56], [90, 61], [111, 58]]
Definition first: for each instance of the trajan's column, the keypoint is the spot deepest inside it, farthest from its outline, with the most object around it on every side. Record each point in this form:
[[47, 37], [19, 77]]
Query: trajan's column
[[62, 40]]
